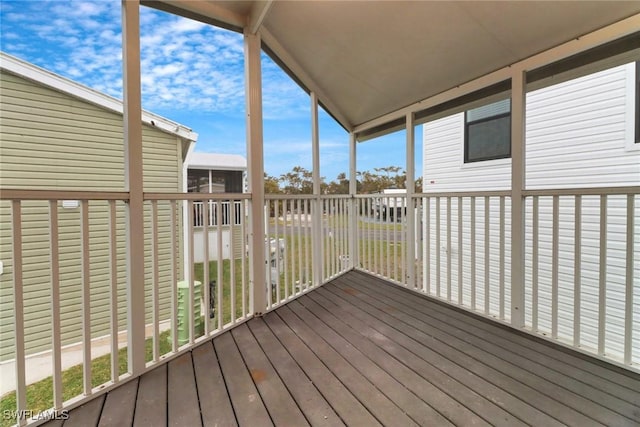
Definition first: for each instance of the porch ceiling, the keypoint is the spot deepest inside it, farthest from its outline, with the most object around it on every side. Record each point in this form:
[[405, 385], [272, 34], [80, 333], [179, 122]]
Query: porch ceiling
[[367, 59]]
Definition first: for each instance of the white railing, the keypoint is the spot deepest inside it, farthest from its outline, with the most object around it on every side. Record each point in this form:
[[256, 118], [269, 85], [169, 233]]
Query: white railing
[[68, 249], [582, 269], [336, 213], [581, 250], [68, 268], [463, 253], [382, 240], [302, 250], [228, 217]]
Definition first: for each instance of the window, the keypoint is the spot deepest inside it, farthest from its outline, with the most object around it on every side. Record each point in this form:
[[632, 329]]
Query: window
[[487, 133], [214, 181]]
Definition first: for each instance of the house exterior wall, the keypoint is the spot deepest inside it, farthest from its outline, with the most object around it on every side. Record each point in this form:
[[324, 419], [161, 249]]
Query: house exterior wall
[[52, 140], [579, 133]]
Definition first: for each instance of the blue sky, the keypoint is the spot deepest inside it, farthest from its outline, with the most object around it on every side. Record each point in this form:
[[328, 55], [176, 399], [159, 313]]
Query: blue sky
[[193, 74]]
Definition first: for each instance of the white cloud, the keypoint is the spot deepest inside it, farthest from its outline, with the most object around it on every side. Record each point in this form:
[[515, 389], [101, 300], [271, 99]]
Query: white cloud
[[184, 25]]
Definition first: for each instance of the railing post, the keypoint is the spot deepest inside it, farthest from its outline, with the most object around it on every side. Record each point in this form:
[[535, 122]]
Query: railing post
[[257, 259], [410, 240], [353, 208], [518, 157], [317, 241], [133, 184]]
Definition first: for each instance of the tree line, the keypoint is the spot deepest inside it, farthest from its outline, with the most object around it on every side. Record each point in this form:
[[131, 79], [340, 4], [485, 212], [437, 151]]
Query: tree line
[[300, 181]]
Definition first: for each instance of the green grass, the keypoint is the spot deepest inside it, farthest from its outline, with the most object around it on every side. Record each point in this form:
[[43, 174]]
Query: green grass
[[226, 287], [40, 394]]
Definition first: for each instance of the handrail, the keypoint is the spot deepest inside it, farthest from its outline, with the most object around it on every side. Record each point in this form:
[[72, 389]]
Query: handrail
[[18, 194], [591, 191], [197, 196]]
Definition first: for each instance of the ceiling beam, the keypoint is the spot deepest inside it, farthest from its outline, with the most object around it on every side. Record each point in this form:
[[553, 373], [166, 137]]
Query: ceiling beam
[[302, 77], [258, 13], [596, 38], [203, 11]]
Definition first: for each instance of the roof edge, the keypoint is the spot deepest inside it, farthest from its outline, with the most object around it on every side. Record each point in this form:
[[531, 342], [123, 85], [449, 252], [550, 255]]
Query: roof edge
[[40, 75]]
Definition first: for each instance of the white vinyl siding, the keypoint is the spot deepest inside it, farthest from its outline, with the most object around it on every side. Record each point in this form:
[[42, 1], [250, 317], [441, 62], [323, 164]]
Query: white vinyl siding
[[51, 140], [577, 135]]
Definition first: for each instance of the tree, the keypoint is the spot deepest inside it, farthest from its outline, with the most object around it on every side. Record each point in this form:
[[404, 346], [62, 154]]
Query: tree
[[271, 185]]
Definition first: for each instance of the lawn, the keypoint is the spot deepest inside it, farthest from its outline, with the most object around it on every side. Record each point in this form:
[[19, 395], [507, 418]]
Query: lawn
[[40, 394]]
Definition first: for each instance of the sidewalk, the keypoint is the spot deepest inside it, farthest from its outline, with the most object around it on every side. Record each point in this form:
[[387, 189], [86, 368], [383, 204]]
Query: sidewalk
[[39, 366]]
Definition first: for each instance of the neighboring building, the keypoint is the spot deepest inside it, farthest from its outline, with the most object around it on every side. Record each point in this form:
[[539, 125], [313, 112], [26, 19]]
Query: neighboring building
[[59, 135], [217, 173], [580, 132], [389, 208]]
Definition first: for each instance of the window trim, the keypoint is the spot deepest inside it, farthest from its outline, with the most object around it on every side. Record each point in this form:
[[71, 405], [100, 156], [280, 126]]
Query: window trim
[[467, 123]]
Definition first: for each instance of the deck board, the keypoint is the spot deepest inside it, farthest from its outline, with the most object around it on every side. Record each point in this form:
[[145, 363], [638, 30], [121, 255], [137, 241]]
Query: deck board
[[557, 402], [119, 406], [539, 364], [346, 405], [183, 408], [361, 351], [313, 405], [212, 392], [280, 404], [151, 404], [86, 415], [249, 407]]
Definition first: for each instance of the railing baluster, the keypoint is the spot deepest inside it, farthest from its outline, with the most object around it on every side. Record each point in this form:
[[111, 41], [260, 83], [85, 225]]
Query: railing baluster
[[288, 255], [346, 208], [554, 266], [220, 284], [205, 263], [473, 252], [188, 322], [534, 263], [300, 250], [232, 262], [154, 281], [369, 239], [438, 248], [448, 248], [307, 241], [487, 260], [113, 290], [18, 309], [403, 247], [243, 257], [332, 241], [502, 256], [86, 296], [602, 297], [460, 237], [174, 275], [56, 341], [427, 243], [391, 274], [577, 267], [276, 211], [628, 308]]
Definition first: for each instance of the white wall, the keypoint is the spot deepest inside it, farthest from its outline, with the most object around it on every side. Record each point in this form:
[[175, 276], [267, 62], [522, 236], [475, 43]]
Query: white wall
[[198, 245], [579, 133]]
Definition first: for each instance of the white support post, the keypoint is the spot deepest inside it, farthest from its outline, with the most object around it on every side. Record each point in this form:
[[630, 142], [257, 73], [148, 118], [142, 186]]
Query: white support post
[[133, 184], [410, 214], [318, 246], [353, 211], [518, 95], [257, 259]]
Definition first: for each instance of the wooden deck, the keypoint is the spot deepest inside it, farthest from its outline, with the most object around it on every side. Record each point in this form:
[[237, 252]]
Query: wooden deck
[[362, 352]]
